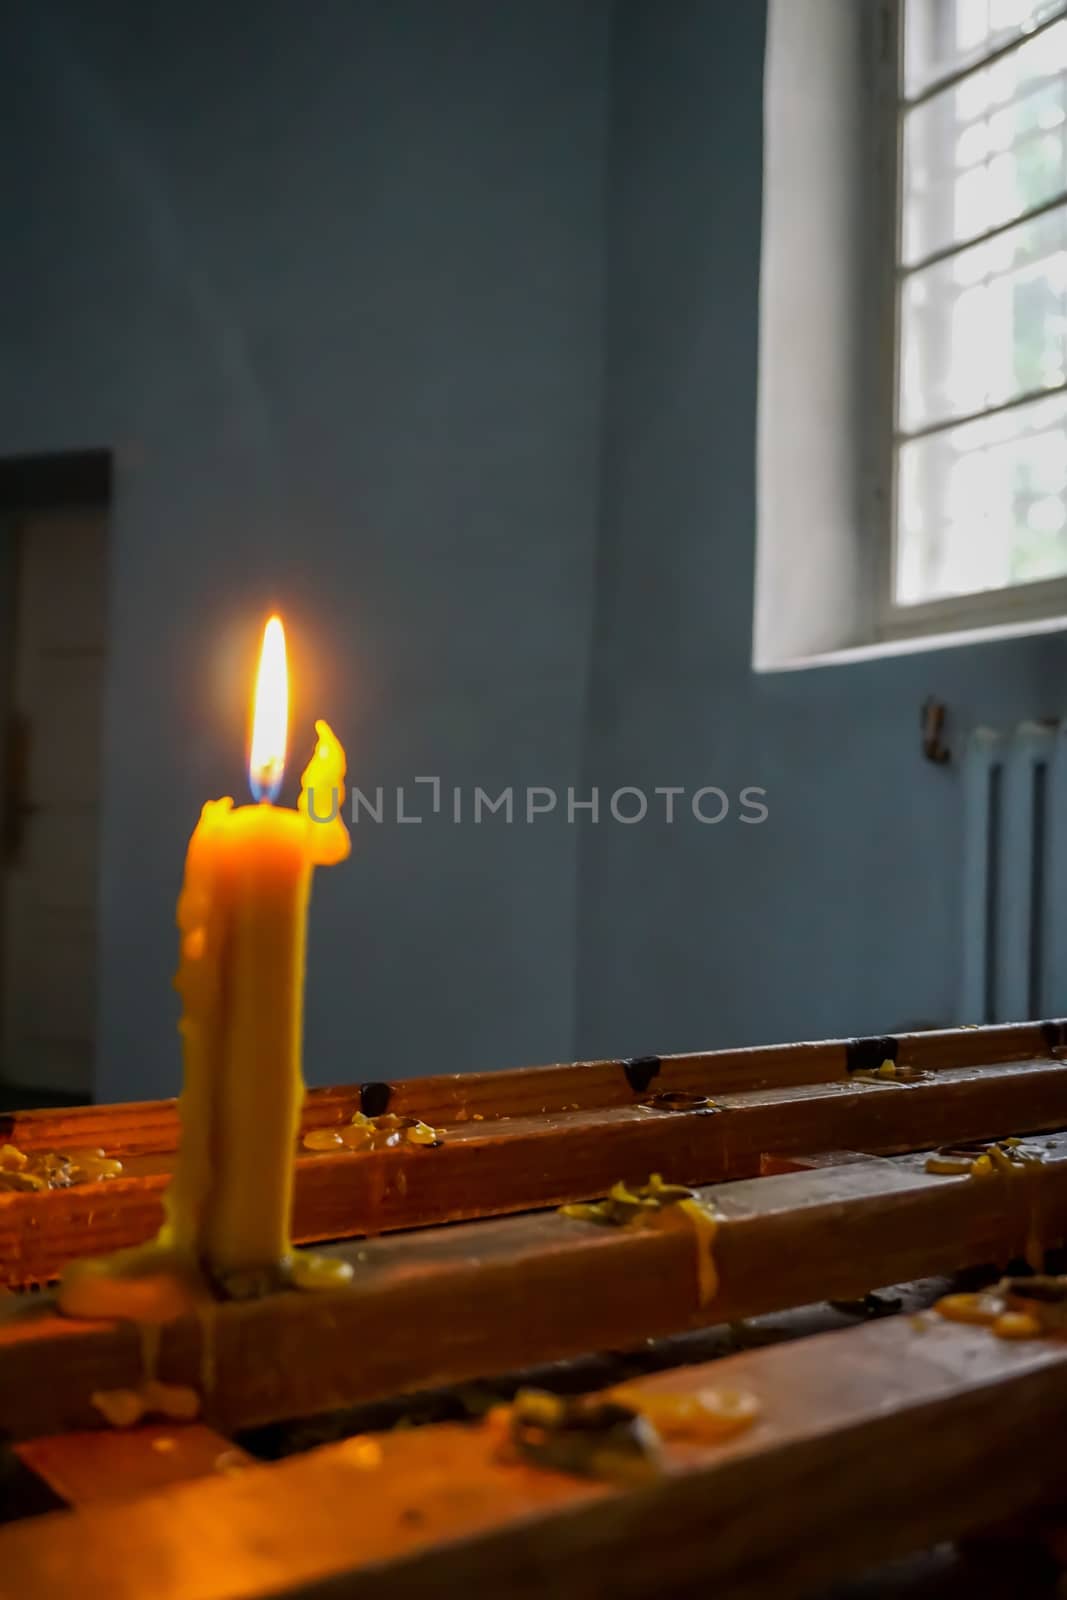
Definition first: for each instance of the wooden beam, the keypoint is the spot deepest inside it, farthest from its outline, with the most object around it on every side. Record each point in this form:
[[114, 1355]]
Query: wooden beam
[[443, 1305], [872, 1443], [518, 1162], [152, 1126]]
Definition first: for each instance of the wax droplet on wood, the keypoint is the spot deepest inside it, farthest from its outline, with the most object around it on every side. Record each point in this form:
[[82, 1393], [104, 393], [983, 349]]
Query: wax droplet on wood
[[705, 1415], [1017, 1325], [322, 1139], [366, 1453], [314, 1272], [360, 1133], [981, 1309], [36, 1170], [705, 1226], [121, 1408]]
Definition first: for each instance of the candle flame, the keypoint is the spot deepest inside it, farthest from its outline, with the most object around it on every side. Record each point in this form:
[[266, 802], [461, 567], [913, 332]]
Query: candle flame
[[270, 716]]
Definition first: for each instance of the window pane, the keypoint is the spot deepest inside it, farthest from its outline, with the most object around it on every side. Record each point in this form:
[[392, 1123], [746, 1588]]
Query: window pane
[[988, 149], [984, 505], [985, 326], [941, 36]]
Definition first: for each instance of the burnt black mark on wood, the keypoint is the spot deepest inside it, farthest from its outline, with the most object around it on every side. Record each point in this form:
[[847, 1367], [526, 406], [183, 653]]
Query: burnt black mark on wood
[[867, 1055], [1054, 1033], [374, 1098], [640, 1071], [7, 1129]]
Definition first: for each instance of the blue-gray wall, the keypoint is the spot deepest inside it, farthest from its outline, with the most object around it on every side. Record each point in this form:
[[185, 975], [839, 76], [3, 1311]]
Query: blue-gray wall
[[841, 913], [329, 280], [433, 322]]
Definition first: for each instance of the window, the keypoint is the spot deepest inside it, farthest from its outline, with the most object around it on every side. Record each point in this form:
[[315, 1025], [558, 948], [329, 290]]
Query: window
[[978, 469], [912, 417]]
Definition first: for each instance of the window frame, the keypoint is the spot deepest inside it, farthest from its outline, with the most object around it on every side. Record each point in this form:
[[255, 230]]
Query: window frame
[[1018, 604]]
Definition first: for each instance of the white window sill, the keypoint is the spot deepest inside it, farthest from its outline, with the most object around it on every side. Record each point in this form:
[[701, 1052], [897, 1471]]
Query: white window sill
[[916, 643]]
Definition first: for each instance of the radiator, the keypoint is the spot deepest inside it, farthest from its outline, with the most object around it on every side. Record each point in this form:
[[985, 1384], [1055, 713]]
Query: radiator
[[1015, 874]]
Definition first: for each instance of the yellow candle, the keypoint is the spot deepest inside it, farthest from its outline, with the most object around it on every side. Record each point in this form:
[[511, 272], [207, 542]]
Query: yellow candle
[[243, 921], [242, 916]]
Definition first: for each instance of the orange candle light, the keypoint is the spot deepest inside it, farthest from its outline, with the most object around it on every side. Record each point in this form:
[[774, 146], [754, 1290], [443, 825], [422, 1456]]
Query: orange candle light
[[242, 916]]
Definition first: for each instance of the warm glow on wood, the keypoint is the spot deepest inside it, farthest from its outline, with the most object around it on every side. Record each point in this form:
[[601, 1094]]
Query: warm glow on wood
[[270, 715]]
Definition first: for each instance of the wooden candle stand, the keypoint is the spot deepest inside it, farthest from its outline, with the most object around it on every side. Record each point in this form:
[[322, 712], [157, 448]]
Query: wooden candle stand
[[881, 1438]]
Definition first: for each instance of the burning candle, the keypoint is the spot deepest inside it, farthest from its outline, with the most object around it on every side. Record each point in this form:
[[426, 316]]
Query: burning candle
[[242, 916]]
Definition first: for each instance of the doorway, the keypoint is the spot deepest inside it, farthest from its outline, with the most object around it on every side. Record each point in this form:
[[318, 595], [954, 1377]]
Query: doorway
[[53, 590]]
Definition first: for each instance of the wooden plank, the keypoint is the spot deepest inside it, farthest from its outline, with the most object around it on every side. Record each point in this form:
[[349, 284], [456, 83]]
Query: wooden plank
[[518, 1163], [872, 1443], [148, 1127], [151, 1127], [509, 1293], [106, 1465]]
